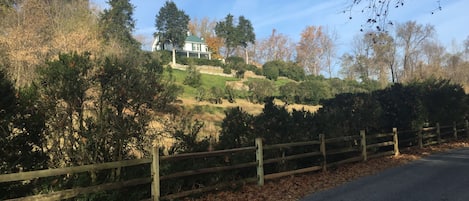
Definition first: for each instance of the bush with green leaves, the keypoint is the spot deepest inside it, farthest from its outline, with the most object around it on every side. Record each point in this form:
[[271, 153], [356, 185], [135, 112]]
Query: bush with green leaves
[[164, 56], [271, 69], [21, 136], [313, 91], [260, 89], [216, 95], [240, 73], [230, 94], [255, 69], [99, 110], [236, 129], [235, 63], [194, 77], [184, 60], [290, 93], [226, 69], [201, 94], [292, 71], [347, 114]]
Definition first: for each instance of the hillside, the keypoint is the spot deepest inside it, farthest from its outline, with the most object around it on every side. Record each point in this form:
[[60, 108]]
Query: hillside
[[213, 114]]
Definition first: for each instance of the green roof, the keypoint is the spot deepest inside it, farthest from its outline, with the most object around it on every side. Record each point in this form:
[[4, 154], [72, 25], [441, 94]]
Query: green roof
[[196, 39]]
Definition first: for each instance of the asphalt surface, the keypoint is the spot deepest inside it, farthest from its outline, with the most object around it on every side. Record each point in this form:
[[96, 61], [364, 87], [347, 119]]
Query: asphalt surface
[[439, 177]]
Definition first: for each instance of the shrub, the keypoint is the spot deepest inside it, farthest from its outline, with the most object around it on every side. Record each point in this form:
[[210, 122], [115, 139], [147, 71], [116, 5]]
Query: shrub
[[271, 69], [227, 69], [347, 114], [240, 73], [260, 89], [201, 94], [236, 129], [290, 93], [235, 63], [255, 69], [230, 94], [312, 91], [21, 133], [216, 95], [292, 71], [163, 56], [194, 77]]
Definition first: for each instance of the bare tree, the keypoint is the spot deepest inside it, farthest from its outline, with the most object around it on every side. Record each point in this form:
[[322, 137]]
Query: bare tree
[[330, 48], [311, 50], [384, 52], [410, 37], [432, 60], [373, 57], [347, 62], [276, 47]]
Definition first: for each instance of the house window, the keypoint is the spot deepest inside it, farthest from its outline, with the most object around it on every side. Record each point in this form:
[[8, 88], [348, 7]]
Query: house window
[[196, 47]]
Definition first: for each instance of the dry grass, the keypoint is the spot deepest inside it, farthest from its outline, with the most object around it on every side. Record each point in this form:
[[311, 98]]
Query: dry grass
[[247, 106]]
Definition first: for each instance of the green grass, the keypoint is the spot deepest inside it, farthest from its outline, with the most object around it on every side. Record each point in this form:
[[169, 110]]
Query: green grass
[[282, 81], [208, 81]]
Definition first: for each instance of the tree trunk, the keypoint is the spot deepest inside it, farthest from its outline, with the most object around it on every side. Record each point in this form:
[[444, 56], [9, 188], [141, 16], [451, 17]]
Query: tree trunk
[[247, 56], [174, 56]]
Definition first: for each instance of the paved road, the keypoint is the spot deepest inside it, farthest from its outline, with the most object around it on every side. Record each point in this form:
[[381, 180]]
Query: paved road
[[440, 177]]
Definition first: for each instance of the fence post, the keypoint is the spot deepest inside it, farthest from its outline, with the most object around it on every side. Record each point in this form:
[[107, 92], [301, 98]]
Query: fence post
[[322, 148], [396, 142], [455, 130], [438, 133], [260, 162], [420, 138], [155, 173], [363, 143]]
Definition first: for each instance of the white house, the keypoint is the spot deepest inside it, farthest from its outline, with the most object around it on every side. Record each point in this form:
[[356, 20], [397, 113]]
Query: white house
[[193, 47]]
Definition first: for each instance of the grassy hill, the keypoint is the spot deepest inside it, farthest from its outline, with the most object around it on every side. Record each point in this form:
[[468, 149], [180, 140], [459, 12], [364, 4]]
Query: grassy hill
[[213, 114]]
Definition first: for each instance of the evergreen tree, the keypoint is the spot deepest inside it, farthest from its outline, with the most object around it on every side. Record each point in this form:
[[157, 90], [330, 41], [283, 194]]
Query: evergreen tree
[[171, 25], [226, 30], [117, 24], [246, 34], [240, 35]]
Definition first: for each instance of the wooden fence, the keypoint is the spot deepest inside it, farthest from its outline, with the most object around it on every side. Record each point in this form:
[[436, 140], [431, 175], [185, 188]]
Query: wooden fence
[[323, 152]]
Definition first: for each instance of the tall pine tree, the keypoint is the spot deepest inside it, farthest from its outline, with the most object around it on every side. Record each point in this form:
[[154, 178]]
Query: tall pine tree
[[171, 25], [117, 24], [234, 36]]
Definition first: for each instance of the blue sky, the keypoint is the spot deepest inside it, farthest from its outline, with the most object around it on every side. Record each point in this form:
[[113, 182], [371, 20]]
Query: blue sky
[[291, 17]]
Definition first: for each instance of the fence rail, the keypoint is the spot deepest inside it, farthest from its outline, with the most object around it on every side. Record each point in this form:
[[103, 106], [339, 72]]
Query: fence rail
[[360, 150]]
